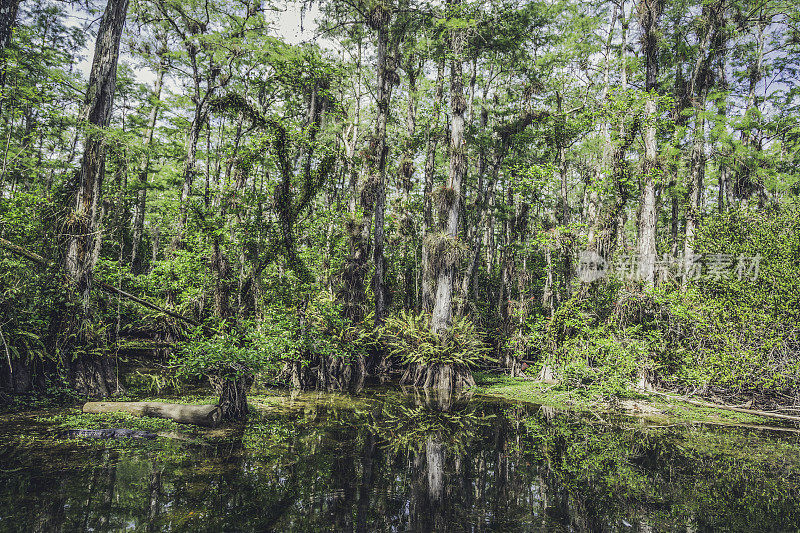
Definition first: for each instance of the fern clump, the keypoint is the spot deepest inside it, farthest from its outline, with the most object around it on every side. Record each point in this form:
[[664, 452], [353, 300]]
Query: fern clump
[[409, 337]]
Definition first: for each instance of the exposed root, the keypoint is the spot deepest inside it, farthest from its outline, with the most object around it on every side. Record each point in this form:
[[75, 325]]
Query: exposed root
[[232, 396], [94, 377], [442, 377], [326, 373]]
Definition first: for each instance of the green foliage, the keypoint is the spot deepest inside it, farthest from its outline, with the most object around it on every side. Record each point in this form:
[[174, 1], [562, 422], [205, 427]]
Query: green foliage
[[725, 334], [330, 333], [28, 293], [262, 348], [223, 350], [409, 337], [584, 351]]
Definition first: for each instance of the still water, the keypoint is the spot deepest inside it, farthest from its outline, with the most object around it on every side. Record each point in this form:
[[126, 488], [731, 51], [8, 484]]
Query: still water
[[388, 460]]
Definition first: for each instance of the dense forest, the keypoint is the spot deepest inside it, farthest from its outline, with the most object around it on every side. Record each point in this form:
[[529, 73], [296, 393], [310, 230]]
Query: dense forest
[[600, 194]]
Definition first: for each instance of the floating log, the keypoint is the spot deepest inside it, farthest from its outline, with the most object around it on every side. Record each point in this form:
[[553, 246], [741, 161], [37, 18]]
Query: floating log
[[199, 415]]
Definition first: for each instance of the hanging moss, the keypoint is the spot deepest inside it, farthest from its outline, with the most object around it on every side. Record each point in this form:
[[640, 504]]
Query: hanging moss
[[444, 198], [443, 252]]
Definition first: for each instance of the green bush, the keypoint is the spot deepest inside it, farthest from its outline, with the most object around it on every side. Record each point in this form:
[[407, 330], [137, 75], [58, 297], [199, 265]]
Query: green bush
[[228, 351], [729, 335]]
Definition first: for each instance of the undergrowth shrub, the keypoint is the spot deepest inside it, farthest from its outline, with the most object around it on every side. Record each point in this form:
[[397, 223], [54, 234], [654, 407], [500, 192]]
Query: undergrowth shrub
[[722, 334]]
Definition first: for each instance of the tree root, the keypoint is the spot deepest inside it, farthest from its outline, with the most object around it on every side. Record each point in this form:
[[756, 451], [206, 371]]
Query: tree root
[[331, 373], [443, 377]]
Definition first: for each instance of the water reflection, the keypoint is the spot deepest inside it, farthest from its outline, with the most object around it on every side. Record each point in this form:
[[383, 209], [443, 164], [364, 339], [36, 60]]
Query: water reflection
[[407, 461]]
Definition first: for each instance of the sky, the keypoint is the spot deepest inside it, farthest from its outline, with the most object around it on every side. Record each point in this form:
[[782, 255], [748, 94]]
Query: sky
[[287, 24]]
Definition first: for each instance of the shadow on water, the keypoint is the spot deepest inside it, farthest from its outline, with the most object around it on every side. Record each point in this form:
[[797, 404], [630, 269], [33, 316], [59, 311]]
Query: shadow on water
[[404, 460]]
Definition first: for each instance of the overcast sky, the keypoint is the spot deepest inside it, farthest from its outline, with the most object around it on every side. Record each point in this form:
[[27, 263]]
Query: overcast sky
[[287, 25]]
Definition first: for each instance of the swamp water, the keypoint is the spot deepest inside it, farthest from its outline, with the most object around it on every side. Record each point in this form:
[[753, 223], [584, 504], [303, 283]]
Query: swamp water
[[386, 460]]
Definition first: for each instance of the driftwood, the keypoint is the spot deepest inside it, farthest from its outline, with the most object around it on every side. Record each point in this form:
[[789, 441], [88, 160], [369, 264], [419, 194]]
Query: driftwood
[[765, 414], [199, 415], [36, 258]]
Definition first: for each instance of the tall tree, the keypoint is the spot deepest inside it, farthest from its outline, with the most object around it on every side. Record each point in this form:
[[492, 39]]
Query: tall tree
[[428, 281], [89, 375], [388, 37], [446, 250], [141, 195], [450, 195], [649, 12], [709, 35], [83, 244]]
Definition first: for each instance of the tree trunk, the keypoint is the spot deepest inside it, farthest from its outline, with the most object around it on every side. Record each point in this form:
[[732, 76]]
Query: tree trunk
[[604, 159], [564, 213], [697, 168], [82, 248], [428, 281], [450, 202], [233, 398], [201, 109], [649, 12], [189, 169], [387, 63], [449, 377], [648, 215], [700, 83], [470, 288], [561, 161], [200, 415], [406, 174], [744, 185], [92, 375]]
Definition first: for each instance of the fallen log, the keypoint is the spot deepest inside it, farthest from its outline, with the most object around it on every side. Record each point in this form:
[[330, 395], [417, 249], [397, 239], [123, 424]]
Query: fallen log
[[36, 258], [199, 415], [765, 414]]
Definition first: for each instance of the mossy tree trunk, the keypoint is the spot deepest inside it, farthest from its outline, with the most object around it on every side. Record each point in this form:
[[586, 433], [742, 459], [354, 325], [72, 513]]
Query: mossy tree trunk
[[649, 12], [388, 42], [233, 397], [450, 199], [428, 281], [448, 376], [93, 375], [83, 243]]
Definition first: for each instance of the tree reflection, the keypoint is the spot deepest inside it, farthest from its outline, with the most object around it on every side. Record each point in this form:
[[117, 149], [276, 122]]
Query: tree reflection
[[409, 461]]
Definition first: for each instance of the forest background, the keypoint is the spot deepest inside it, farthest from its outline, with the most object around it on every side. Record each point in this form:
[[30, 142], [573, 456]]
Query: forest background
[[418, 191]]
